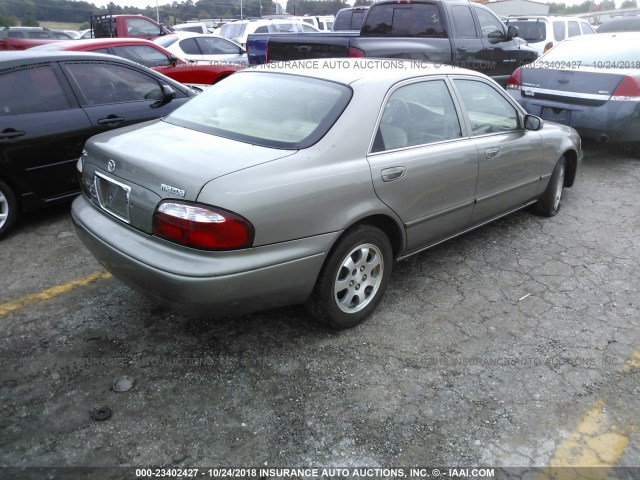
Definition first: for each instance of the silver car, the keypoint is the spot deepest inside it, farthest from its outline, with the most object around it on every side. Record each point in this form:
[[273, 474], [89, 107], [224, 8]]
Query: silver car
[[284, 185]]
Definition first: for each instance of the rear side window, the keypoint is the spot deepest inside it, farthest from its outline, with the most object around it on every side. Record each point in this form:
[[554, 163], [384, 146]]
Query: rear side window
[[463, 20], [31, 90], [559, 31], [532, 32], [189, 46], [417, 114], [405, 20]]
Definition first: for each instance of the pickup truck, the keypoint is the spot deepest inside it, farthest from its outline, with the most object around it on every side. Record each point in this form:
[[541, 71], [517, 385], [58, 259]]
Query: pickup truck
[[137, 26], [455, 32]]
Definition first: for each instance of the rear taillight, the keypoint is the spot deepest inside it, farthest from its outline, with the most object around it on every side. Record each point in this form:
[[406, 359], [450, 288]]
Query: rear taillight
[[355, 52], [548, 47], [628, 90], [266, 53], [515, 82], [201, 226]]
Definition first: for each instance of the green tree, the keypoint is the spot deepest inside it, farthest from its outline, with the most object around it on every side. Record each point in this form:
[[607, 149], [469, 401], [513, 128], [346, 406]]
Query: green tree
[[7, 20], [362, 3], [629, 4], [29, 22]]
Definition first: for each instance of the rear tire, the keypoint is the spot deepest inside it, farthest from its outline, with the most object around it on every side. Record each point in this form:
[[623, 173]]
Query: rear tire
[[548, 205], [8, 209], [353, 278]]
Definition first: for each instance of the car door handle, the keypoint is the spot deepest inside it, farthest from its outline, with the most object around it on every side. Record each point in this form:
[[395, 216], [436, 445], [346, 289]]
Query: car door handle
[[393, 173], [110, 120], [492, 152], [10, 134]]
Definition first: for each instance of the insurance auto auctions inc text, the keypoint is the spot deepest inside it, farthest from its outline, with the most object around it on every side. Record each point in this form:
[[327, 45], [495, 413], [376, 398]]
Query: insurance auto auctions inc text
[[370, 472]]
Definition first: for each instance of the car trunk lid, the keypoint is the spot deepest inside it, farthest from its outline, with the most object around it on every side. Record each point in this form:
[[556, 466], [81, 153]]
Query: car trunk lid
[[150, 162], [579, 86]]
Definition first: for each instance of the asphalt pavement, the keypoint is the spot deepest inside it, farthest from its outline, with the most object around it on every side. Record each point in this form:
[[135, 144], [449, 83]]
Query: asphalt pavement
[[515, 345]]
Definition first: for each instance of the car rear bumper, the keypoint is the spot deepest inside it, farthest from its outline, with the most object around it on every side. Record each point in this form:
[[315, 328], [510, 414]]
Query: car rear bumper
[[198, 282], [614, 121]]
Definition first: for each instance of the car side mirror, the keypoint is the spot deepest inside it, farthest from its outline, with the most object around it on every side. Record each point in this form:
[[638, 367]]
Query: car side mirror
[[173, 61], [167, 94], [531, 122], [513, 31]]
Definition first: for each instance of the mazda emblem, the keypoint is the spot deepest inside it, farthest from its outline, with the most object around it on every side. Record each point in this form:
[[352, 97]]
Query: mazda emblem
[[111, 166]]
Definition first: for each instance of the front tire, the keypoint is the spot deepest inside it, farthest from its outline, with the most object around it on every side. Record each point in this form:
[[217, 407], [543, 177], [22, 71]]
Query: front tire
[[548, 205], [353, 278], [8, 209]]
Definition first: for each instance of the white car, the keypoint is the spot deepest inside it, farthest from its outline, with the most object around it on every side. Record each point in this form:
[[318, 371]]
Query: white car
[[239, 30], [544, 32], [195, 46]]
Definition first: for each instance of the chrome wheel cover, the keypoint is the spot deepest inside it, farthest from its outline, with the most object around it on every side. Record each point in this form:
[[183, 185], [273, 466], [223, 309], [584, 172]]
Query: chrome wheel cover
[[358, 279], [4, 209]]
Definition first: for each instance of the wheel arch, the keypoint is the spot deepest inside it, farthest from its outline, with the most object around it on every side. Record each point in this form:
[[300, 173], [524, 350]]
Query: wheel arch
[[571, 158], [388, 225]]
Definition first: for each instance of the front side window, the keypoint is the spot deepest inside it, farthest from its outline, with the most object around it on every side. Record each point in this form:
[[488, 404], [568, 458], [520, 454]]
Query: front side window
[[103, 83], [144, 55], [31, 90], [405, 20], [272, 110], [532, 32], [574, 29], [490, 25], [417, 114], [488, 110], [586, 28]]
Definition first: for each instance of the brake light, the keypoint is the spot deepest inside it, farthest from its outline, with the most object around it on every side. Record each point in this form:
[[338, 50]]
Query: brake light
[[515, 81], [201, 226], [548, 47], [628, 89], [355, 52], [266, 53]]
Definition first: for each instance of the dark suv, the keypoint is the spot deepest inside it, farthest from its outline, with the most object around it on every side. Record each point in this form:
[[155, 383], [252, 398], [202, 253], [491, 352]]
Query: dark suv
[[33, 32]]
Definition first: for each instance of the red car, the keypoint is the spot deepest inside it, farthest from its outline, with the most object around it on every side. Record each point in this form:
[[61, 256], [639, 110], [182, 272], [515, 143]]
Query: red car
[[150, 55]]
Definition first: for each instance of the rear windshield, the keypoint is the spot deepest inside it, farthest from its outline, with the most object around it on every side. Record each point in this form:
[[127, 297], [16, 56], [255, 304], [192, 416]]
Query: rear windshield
[[268, 109], [594, 51], [232, 30], [404, 20], [621, 24], [166, 40], [532, 32], [349, 20]]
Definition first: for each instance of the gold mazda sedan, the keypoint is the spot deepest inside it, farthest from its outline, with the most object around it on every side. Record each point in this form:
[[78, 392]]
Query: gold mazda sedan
[[300, 183]]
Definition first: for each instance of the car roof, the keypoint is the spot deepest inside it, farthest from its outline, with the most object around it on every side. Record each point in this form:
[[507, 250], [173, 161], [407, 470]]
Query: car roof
[[9, 59], [621, 36], [544, 17], [96, 42], [350, 70]]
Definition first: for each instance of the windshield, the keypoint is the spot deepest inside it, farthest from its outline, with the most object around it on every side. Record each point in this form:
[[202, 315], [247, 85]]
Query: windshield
[[532, 32], [592, 50], [268, 109], [166, 40]]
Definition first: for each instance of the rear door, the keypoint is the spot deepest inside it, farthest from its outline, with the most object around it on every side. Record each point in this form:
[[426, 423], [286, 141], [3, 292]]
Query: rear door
[[422, 165], [42, 131]]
